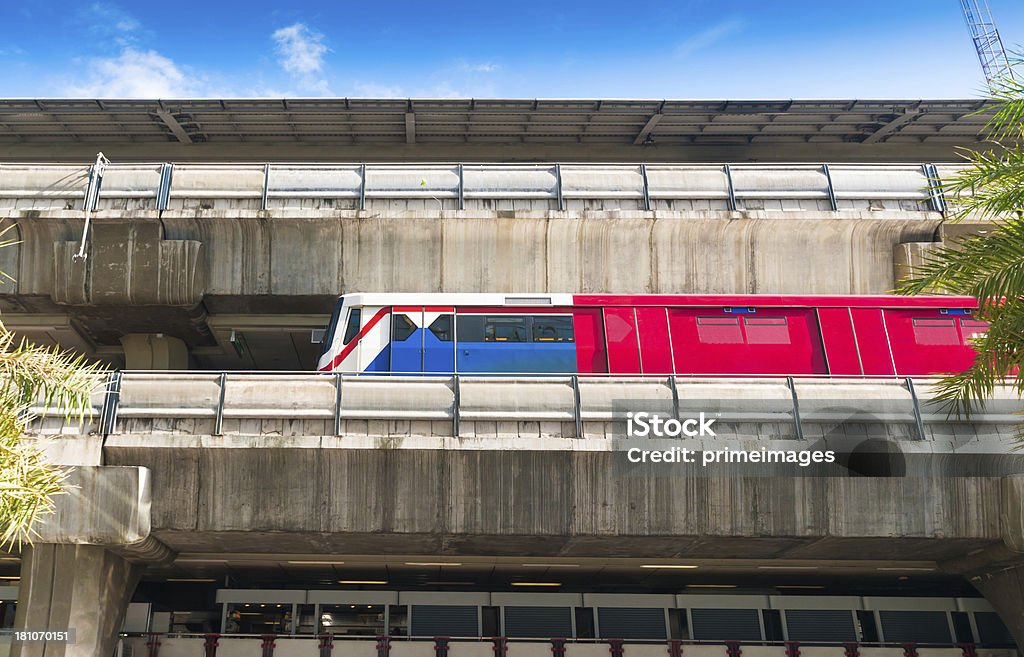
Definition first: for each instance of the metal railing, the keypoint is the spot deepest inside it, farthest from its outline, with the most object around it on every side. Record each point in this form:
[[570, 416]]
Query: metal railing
[[576, 399]]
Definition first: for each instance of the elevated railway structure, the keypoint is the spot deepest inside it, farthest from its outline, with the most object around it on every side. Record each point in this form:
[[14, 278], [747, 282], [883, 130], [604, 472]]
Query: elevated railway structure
[[237, 263], [229, 477]]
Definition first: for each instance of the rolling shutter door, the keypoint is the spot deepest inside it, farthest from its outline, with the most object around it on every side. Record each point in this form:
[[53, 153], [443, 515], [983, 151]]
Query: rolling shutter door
[[726, 624], [538, 622], [831, 625], [915, 626], [447, 620], [631, 623]]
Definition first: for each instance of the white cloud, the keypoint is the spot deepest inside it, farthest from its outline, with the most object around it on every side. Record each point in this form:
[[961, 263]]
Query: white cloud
[[137, 74], [478, 67], [301, 52], [708, 37]]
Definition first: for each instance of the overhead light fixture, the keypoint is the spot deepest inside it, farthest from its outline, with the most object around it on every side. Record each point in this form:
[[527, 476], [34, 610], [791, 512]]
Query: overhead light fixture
[[787, 567], [799, 586], [191, 579], [908, 569], [536, 584], [550, 565], [362, 581], [711, 586], [317, 563], [441, 564], [192, 560], [12, 578], [673, 566]]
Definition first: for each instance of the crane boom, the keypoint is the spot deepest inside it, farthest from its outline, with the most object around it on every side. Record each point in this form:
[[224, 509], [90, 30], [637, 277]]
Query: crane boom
[[991, 53]]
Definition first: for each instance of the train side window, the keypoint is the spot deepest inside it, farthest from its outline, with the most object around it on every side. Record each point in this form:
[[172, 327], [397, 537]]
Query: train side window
[[928, 331], [352, 328], [401, 328], [469, 328], [719, 330], [552, 328], [506, 328], [767, 330], [973, 328], [442, 328]]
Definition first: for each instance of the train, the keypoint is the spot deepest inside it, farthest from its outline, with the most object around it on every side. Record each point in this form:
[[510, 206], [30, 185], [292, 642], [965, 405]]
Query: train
[[650, 334]]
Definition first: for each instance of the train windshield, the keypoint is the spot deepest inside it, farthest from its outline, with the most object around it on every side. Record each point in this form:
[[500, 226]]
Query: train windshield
[[332, 327]]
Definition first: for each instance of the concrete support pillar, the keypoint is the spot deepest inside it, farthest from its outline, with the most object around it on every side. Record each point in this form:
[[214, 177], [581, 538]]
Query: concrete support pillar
[[82, 587], [1004, 590], [154, 351]]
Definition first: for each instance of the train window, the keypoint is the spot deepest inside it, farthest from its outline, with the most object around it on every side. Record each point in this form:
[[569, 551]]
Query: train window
[[929, 331], [401, 328], [552, 328], [442, 328], [506, 328], [719, 330], [974, 329], [353, 324], [766, 330], [331, 328]]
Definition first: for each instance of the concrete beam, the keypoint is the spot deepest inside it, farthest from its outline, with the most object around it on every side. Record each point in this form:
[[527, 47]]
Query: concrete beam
[[172, 123]]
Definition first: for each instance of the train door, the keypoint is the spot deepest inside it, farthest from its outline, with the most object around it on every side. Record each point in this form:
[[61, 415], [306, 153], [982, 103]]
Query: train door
[[931, 341], [623, 341], [438, 340], [406, 339]]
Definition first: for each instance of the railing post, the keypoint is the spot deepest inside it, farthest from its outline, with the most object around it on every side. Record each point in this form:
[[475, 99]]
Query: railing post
[[797, 424], [153, 645], [111, 398], [337, 403], [831, 188], [462, 189], [558, 186], [268, 645], [675, 396], [383, 646], [362, 186], [557, 647], [455, 405], [577, 411], [441, 646], [210, 644], [219, 422], [500, 646], [647, 189], [918, 420], [163, 192], [615, 647], [266, 183], [937, 198], [730, 189], [326, 645]]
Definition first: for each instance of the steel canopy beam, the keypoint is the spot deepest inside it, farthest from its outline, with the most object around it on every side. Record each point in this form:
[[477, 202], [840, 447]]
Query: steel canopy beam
[[648, 127], [889, 128], [410, 127], [172, 123]]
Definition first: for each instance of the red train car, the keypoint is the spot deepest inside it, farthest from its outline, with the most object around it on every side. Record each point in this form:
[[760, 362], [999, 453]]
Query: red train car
[[736, 335]]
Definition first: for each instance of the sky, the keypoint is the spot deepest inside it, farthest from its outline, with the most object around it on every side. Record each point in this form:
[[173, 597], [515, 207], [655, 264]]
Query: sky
[[735, 49]]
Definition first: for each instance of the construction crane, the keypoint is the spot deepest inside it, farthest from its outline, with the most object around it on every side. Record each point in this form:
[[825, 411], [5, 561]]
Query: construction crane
[[990, 49]]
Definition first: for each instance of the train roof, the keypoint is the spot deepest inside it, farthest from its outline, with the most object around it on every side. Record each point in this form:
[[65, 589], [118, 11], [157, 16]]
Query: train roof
[[568, 299]]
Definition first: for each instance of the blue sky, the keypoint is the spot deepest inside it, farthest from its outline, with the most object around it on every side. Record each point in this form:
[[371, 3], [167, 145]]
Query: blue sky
[[522, 49]]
